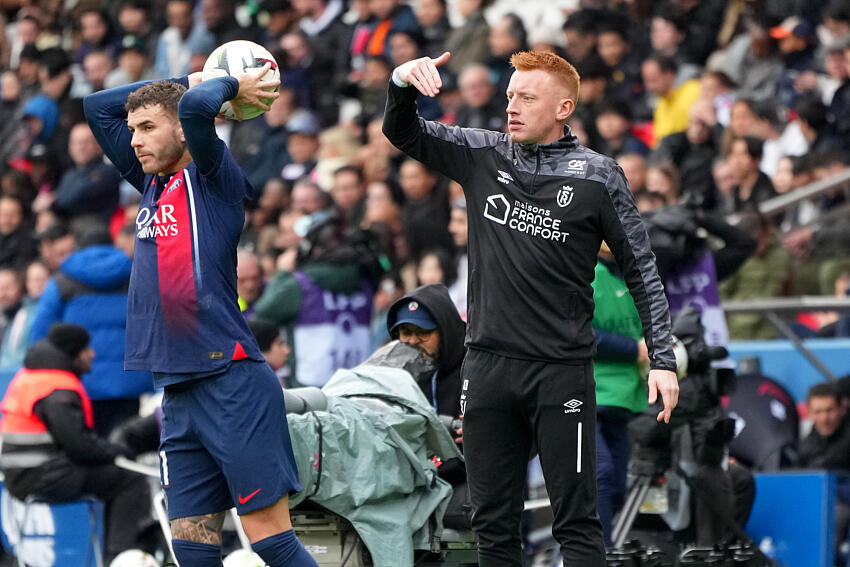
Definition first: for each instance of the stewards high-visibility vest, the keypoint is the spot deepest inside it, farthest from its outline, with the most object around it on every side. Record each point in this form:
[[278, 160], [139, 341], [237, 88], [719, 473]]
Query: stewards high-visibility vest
[[26, 440]]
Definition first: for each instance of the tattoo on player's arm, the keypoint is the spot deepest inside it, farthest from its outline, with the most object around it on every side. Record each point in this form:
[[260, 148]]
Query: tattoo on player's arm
[[200, 529]]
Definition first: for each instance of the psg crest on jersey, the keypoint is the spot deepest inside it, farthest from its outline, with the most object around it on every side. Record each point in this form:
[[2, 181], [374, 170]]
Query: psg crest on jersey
[[565, 196]]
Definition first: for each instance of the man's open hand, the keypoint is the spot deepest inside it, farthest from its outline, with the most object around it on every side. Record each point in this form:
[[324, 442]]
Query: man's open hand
[[422, 73], [254, 90], [663, 382]]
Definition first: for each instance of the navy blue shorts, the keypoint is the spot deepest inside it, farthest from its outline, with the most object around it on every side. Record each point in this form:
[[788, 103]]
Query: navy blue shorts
[[225, 443]]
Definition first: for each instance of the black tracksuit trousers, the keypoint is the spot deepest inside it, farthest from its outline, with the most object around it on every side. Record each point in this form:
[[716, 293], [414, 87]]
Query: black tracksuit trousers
[[508, 406]]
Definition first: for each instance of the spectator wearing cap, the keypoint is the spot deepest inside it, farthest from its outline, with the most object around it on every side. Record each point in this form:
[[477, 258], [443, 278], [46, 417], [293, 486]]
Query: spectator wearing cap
[[797, 43], [302, 145], [459, 229], [613, 127], [481, 107], [673, 103], [427, 319], [325, 304], [90, 290], [50, 447], [91, 186], [56, 242], [17, 246], [468, 43]]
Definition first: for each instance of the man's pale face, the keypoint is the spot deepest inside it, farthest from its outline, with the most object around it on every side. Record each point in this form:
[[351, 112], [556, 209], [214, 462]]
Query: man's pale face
[[82, 145], [538, 105], [157, 139], [826, 414], [426, 341]]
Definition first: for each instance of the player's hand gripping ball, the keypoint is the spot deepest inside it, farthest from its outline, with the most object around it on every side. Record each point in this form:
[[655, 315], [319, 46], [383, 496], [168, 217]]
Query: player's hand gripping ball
[[234, 58]]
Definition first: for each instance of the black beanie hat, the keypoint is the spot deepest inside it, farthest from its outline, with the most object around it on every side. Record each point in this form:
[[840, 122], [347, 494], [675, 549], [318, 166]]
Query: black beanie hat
[[264, 332], [70, 339]]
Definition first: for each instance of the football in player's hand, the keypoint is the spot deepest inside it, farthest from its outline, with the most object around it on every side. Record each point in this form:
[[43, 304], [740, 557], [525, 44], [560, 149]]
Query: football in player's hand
[[234, 58]]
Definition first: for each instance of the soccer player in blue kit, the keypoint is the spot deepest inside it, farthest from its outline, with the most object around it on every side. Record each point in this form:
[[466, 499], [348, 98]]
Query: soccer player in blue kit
[[225, 440]]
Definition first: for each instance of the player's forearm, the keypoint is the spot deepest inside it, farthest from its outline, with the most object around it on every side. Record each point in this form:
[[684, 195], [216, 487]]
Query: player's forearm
[[197, 111]]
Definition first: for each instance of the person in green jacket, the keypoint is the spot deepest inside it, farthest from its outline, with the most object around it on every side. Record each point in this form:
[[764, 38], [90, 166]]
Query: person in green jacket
[[621, 389], [325, 305]]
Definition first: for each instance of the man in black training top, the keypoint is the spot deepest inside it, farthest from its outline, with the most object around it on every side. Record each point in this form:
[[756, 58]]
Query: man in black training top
[[539, 206]]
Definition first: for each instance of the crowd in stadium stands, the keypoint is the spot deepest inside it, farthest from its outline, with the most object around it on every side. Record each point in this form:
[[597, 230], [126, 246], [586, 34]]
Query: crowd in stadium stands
[[718, 106]]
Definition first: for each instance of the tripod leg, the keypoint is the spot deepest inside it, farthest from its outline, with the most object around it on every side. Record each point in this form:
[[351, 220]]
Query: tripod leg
[[630, 510]]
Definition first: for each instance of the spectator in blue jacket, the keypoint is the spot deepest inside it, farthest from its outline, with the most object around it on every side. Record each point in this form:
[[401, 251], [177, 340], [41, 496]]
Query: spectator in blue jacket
[[90, 290]]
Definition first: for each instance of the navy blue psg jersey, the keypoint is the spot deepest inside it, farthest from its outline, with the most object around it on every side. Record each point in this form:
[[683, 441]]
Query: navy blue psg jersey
[[182, 312]]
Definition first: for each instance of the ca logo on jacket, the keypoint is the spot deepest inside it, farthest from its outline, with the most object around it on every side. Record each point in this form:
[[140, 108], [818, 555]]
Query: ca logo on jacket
[[565, 196]]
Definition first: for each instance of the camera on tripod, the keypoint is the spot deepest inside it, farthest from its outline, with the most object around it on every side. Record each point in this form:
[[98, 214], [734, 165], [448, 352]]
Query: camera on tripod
[[695, 439]]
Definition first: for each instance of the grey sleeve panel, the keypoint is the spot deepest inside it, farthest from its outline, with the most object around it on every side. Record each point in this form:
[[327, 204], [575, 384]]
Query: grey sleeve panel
[[626, 235], [447, 149]]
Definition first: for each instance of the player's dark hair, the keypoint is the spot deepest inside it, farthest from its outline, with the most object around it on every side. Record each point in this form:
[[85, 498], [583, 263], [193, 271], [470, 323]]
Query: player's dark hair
[[824, 390], [163, 93]]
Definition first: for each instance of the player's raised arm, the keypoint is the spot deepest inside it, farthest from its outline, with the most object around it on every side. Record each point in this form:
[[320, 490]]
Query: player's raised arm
[[446, 149], [107, 119], [197, 111]]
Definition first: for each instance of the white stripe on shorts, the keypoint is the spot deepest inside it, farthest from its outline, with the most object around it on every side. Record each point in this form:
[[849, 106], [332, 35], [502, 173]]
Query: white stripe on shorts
[[578, 449]]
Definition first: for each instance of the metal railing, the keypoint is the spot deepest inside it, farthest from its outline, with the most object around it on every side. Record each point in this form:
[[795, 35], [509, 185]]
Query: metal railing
[[782, 203], [771, 308]]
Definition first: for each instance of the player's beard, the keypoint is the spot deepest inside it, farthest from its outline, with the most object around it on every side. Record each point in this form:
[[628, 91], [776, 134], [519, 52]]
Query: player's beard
[[168, 157]]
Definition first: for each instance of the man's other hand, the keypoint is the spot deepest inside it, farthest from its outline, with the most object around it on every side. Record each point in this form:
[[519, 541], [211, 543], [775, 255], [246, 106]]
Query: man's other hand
[[422, 73], [664, 382]]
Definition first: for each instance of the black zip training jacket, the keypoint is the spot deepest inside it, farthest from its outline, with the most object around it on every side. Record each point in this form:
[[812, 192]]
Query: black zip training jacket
[[537, 215]]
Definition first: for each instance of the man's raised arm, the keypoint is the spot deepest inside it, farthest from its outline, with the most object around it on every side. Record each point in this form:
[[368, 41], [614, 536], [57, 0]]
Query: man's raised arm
[[446, 149], [108, 121]]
